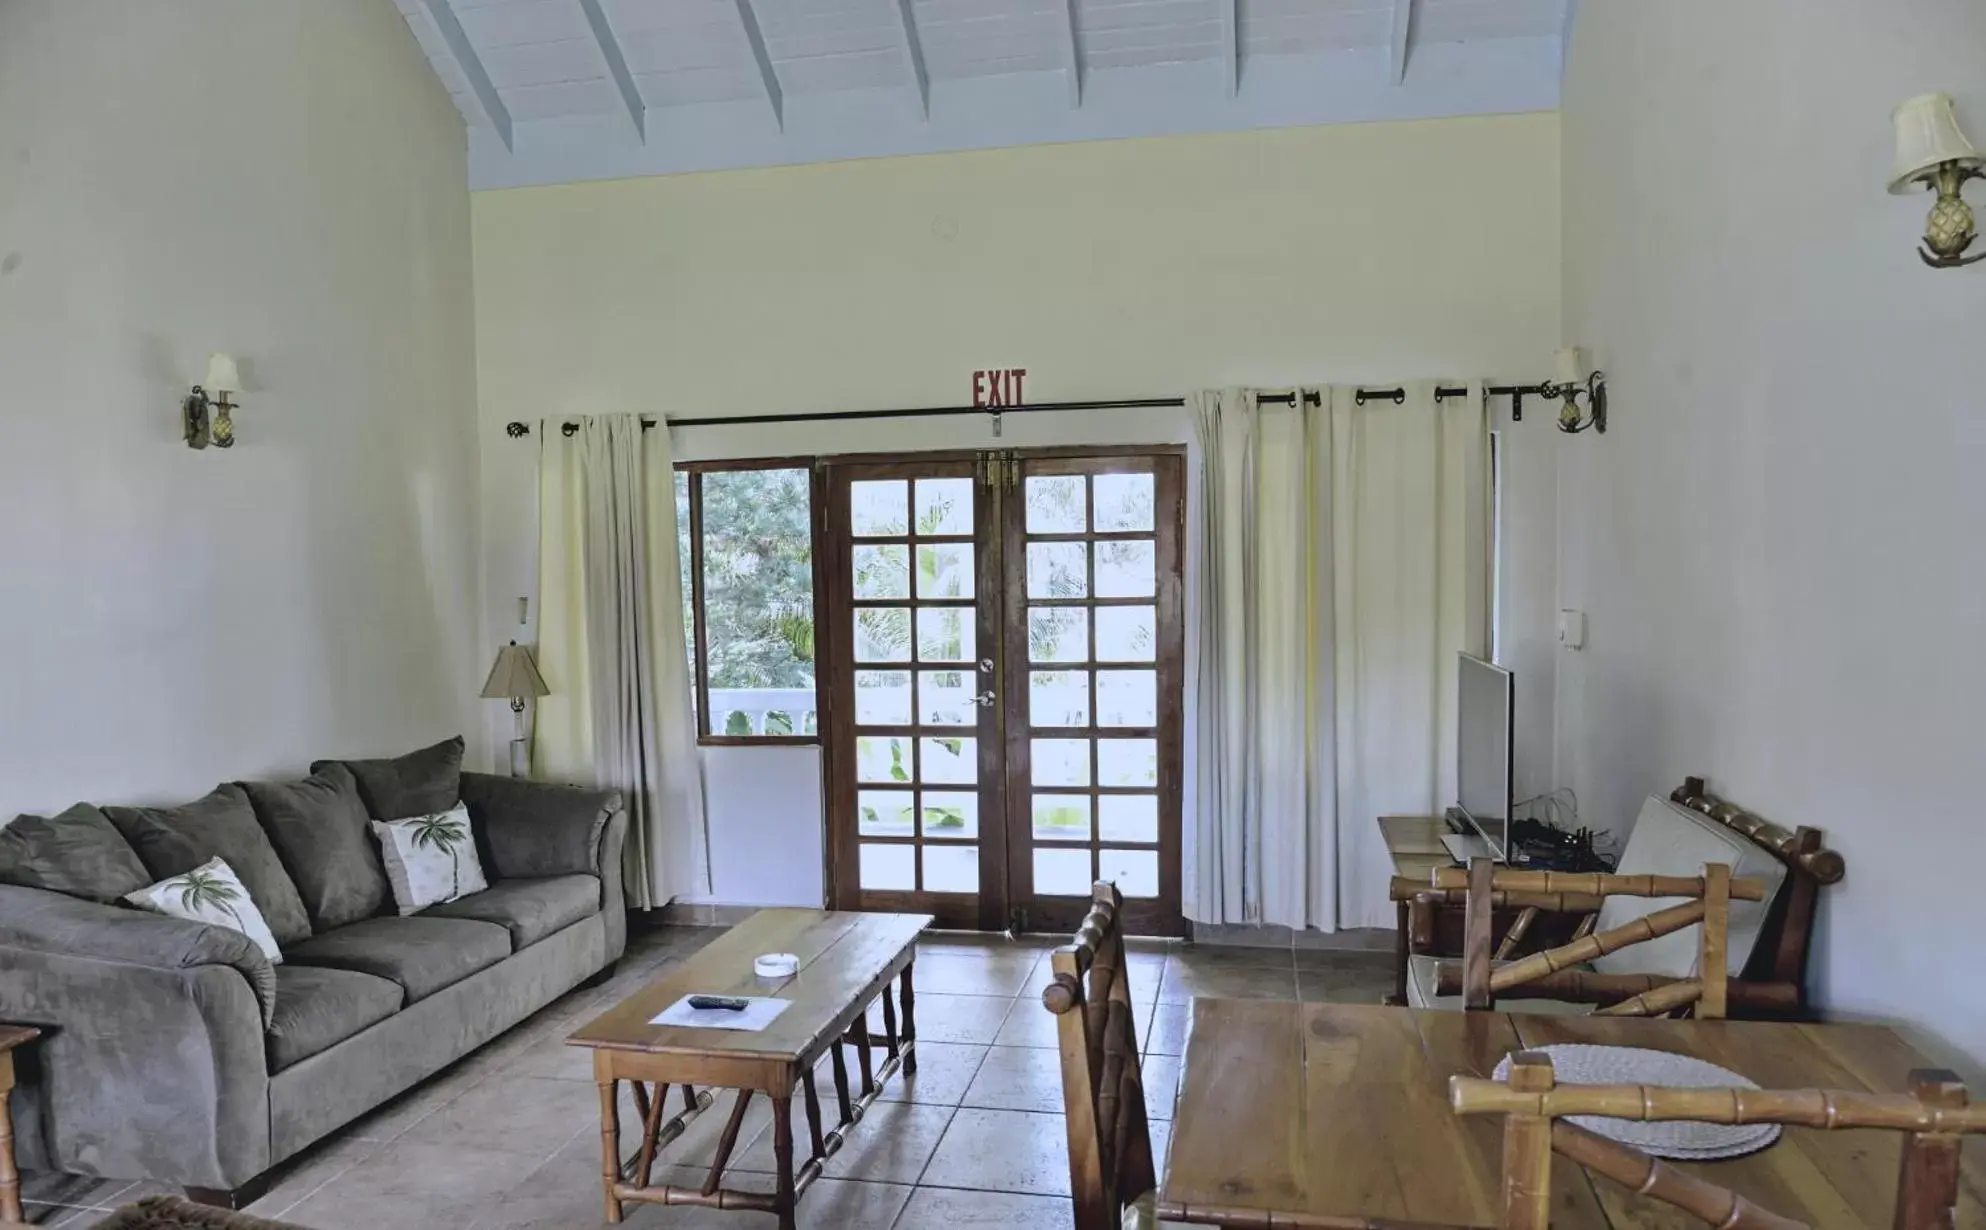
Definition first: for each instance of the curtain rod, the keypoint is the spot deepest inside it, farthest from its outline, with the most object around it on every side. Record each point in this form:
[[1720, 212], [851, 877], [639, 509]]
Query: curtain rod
[[1398, 396]]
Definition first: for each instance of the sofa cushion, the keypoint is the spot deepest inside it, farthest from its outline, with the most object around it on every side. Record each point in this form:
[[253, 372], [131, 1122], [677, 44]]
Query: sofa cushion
[[1672, 840], [318, 1006], [318, 826], [172, 841], [422, 954], [417, 784], [79, 852], [531, 909]]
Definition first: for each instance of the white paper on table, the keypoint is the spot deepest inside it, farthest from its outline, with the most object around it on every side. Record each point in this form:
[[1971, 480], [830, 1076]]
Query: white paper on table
[[758, 1014]]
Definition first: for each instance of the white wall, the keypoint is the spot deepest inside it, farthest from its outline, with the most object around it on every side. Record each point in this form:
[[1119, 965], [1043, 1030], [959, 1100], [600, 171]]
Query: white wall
[[1110, 269], [284, 180], [1778, 540]]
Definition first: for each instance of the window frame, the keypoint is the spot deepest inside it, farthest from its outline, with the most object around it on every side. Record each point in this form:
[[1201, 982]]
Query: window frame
[[694, 471]]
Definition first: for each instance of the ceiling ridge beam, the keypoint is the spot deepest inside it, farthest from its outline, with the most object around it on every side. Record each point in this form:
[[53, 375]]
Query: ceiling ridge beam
[[470, 65], [617, 66], [1404, 12], [913, 50], [1072, 54], [1231, 45], [768, 76]]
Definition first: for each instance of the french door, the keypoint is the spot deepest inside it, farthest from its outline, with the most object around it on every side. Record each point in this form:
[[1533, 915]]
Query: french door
[[1004, 663]]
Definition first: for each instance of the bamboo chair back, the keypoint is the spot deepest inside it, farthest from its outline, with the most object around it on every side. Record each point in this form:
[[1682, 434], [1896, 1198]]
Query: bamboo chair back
[[1103, 1094]]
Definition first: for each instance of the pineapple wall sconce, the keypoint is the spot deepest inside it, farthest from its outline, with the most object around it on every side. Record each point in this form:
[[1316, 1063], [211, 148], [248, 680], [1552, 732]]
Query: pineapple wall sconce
[[1931, 152]]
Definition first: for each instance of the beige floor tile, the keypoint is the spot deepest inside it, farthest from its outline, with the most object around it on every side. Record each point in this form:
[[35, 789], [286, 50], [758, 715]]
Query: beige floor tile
[[697, 1147], [392, 1120], [1200, 979], [1228, 956], [1161, 1076], [1018, 1078], [944, 1071], [953, 1018], [1030, 1024], [1166, 1035], [934, 1207], [552, 1058], [1002, 1151], [963, 943], [51, 1187], [528, 1116], [991, 973], [830, 1204], [316, 1166], [892, 1144], [413, 1186], [1342, 987]]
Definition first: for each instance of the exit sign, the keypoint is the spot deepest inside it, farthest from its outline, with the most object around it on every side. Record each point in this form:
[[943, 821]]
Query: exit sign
[[999, 386]]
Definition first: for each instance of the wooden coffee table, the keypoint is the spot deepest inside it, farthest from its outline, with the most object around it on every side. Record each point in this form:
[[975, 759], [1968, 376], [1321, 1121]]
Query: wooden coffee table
[[847, 962]]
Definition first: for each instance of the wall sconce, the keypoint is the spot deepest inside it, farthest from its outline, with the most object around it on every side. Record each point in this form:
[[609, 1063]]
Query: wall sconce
[[1931, 151], [1576, 381], [222, 383]]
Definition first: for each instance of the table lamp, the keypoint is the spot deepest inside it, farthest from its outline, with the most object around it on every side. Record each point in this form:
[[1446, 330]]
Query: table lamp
[[515, 678]]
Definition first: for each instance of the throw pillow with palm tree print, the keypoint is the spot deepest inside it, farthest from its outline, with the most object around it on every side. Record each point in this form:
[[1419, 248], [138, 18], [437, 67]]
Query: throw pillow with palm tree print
[[210, 893], [430, 859]]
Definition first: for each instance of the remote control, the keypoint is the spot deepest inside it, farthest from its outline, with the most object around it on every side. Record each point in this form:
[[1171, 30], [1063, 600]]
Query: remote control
[[724, 1002]]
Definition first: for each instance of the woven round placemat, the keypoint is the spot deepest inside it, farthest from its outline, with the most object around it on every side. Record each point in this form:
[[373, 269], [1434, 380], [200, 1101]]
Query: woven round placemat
[[1576, 1063]]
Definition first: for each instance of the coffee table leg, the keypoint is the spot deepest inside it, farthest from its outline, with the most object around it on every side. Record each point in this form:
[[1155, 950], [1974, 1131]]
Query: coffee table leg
[[10, 1178], [909, 1033], [841, 1084], [864, 1061], [610, 1145], [782, 1157]]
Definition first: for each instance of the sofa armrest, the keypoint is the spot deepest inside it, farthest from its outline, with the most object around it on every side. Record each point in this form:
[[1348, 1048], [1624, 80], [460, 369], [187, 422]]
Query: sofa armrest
[[538, 828], [152, 1061]]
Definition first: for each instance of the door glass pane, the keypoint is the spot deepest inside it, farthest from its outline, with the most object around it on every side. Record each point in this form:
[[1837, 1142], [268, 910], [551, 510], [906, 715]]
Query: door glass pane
[[1059, 569], [1127, 817], [883, 572], [1062, 817], [1058, 698], [1126, 633], [889, 868], [877, 509], [882, 698], [947, 634], [881, 758], [1124, 502], [944, 570], [948, 760], [1127, 698], [1059, 762], [1134, 871], [886, 813], [882, 634], [944, 506], [1127, 762], [1055, 505], [1126, 569], [951, 869], [1062, 873], [1057, 634], [950, 814], [944, 698]]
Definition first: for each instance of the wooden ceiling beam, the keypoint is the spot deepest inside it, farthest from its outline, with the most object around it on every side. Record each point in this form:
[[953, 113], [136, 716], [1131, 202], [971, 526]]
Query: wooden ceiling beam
[[768, 75], [470, 65], [1072, 53], [913, 50], [1404, 12], [1231, 45], [617, 66]]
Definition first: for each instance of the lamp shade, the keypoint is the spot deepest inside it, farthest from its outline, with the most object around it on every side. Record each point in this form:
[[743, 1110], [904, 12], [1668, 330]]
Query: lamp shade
[[1927, 137], [515, 676], [221, 374]]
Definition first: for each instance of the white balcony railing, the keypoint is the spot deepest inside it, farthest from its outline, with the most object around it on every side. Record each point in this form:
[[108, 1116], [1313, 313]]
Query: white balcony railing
[[746, 711]]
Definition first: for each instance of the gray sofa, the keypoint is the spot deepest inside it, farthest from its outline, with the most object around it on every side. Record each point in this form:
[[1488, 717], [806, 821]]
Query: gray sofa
[[175, 1051]]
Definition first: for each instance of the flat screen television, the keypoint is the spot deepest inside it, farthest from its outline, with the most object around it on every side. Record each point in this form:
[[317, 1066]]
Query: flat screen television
[[1482, 752]]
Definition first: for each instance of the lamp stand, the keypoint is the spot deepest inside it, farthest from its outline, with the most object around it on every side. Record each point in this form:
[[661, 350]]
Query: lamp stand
[[520, 745]]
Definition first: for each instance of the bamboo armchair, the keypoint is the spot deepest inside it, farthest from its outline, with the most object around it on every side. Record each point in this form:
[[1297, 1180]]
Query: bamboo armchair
[[1936, 1114], [1773, 979], [1552, 973], [1111, 1174]]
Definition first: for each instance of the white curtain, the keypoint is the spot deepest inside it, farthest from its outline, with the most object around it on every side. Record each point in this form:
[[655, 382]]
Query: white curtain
[[1343, 561], [611, 644]]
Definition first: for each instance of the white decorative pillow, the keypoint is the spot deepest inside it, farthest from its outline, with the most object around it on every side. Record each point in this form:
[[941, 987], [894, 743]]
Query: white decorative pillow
[[210, 893], [430, 859]]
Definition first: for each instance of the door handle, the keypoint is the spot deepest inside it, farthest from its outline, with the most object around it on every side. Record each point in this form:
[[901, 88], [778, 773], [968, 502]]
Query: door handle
[[983, 699]]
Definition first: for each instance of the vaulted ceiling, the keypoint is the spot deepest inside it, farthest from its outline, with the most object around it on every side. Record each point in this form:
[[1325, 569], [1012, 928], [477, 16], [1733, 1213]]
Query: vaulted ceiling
[[561, 90]]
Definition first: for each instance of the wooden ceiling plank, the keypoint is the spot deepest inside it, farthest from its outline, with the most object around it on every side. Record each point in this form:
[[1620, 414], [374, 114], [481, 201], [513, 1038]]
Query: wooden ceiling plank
[[470, 65], [768, 75]]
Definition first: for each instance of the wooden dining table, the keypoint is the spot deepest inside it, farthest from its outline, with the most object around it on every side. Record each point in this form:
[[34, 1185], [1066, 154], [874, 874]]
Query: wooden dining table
[[1311, 1115]]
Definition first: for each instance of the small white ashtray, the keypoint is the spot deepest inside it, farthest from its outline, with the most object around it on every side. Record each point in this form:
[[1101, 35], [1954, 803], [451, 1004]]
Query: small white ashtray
[[776, 965]]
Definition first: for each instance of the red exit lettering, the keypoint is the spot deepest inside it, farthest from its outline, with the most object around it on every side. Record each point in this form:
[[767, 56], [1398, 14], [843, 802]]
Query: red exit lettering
[[994, 388]]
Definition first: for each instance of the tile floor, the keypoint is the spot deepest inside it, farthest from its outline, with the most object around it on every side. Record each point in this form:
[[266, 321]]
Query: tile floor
[[507, 1139]]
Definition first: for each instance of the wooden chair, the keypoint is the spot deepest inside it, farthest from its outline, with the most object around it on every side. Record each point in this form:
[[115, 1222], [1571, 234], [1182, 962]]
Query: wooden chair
[[1111, 1174], [1772, 984], [1935, 1114], [1552, 974]]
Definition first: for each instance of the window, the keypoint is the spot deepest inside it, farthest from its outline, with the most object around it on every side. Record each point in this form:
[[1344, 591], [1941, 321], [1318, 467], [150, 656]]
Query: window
[[747, 546]]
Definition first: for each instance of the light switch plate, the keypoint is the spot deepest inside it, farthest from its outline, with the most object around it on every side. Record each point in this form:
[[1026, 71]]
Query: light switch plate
[[1572, 629]]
